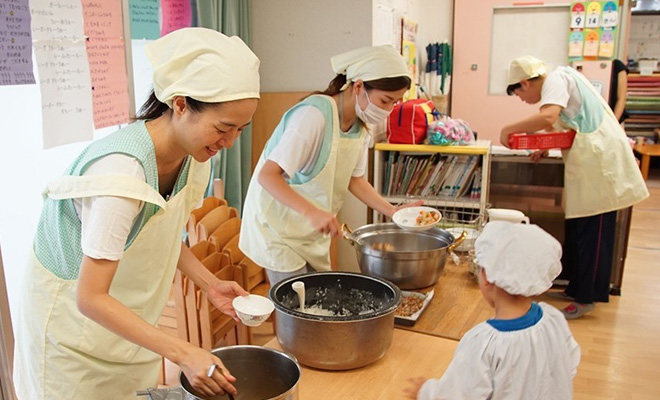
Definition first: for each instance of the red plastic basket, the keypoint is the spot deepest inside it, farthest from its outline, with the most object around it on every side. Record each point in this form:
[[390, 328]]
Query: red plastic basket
[[541, 141]]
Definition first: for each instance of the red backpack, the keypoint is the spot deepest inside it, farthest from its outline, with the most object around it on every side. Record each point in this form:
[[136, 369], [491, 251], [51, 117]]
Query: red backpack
[[408, 121]]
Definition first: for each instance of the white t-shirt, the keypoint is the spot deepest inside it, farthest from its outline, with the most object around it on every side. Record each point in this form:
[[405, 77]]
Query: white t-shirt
[[107, 220], [300, 144], [560, 88], [536, 362]]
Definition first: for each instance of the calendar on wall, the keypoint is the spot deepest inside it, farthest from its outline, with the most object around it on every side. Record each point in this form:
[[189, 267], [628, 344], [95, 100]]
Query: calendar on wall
[[593, 30], [644, 39]]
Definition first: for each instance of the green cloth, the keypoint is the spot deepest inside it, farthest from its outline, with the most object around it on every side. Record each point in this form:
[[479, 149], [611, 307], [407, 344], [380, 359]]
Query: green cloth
[[58, 237], [233, 166]]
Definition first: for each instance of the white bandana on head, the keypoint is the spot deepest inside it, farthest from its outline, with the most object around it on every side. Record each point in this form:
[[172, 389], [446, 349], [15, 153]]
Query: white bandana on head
[[521, 259], [369, 63], [203, 64]]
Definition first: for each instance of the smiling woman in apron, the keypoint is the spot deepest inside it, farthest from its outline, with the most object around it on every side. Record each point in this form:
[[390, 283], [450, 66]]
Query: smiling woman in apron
[[109, 238], [600, 176], [315, 156]]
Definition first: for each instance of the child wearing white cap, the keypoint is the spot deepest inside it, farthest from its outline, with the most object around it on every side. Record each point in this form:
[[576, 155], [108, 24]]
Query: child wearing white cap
[[600, 175], [109, 239], [527, 350], [315, 156]]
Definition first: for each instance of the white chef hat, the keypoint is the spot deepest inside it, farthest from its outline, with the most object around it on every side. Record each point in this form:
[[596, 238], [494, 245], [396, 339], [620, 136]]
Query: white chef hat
[[370, 63], [525, 67], [521, 259], [203, 64]]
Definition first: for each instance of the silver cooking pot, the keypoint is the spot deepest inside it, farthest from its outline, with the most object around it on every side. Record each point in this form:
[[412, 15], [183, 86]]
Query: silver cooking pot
[[359, 335], [261, 374], [415, 262]]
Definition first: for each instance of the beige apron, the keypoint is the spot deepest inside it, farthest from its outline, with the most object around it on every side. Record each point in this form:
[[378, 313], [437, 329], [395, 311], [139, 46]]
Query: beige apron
[[279, 238], [600, 170], [61, 354]]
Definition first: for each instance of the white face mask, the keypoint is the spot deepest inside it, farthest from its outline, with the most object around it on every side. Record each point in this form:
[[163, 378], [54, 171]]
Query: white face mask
[[372, 114]]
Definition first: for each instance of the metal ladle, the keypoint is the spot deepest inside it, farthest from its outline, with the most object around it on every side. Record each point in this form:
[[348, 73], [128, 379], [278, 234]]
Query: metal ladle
[[379, 246], [348, 235]]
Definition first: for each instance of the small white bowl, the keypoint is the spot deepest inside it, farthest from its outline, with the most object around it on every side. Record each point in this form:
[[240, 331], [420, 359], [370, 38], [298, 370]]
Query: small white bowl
[[406, 218], [253, 310]]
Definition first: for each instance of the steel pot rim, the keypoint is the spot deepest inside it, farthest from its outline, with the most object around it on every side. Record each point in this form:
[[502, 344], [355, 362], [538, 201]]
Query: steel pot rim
[[370, 230], [396, 301], [285, 354]]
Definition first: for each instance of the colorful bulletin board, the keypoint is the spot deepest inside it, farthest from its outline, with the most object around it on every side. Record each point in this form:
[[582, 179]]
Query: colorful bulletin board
[[593, 30]]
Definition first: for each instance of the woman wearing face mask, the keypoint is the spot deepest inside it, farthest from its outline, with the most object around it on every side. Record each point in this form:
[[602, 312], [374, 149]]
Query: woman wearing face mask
[[318, 153]]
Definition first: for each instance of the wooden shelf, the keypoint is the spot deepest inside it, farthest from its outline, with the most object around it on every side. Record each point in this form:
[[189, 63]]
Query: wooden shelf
[[466, 205], [481, 147], [460, 202]]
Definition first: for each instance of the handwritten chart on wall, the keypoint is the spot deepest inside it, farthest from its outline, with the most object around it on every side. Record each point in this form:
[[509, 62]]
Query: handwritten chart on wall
[[107, 62], [539, 31], [15, 43], [64, 79], [176, 15], [144, 19]]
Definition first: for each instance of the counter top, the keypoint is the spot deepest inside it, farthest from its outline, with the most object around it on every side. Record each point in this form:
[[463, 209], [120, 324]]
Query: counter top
[[410, 355], [457, 304], [501, 153]]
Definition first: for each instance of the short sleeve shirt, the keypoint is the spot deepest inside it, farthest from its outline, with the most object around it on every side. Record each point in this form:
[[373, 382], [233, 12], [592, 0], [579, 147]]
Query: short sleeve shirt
[[560, 88], [300, 144]]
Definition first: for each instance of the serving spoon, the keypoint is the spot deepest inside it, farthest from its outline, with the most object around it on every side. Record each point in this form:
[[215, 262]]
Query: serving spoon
[[379, 246], [299, 287]]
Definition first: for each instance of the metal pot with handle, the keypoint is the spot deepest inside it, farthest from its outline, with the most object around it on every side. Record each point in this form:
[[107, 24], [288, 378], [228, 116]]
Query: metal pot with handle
[[261, 373], [409, 259], [347, 321]]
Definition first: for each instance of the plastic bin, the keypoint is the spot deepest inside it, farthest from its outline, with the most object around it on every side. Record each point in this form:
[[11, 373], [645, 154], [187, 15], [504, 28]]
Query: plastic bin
[[541, 141]]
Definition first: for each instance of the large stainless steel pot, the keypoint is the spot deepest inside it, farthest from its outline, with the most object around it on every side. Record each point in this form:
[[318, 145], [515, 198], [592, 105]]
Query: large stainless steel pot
[[261, 373], [418, 257], [336, 342]]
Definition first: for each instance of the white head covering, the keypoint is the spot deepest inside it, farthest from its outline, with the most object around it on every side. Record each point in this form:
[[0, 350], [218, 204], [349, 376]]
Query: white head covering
[[370, 63], [525, 67], [203, 64], [521, 259]]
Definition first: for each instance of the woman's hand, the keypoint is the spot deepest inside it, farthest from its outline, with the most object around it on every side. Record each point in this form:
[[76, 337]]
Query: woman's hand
[[195, 365], [413, 388], [222, 293], [323, 221], [402, 206], [538, 155]]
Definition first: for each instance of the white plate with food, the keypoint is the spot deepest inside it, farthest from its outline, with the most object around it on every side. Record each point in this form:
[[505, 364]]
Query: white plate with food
[[417, 218], [411, 307]]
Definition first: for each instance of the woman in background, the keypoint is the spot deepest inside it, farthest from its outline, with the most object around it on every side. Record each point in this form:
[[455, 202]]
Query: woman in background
[[619, 90], [316, 155], [109, 237]]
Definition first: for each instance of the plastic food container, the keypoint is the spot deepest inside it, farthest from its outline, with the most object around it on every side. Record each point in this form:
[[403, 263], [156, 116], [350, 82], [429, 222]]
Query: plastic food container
[[541, 141]]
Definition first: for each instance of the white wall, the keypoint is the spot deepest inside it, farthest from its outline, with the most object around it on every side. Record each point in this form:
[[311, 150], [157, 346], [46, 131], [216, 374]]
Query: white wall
[[294, 39], [25, 168]]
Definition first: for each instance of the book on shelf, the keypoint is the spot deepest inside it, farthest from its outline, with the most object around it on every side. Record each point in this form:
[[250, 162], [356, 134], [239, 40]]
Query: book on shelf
[[434, 175]]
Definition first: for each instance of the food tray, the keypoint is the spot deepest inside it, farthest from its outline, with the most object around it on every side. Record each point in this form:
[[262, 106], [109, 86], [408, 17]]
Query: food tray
[[410, 320], [541, 141]]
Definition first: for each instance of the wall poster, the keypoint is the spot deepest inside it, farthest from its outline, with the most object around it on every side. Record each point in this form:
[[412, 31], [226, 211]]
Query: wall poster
[[593, 30], [409, 52]]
